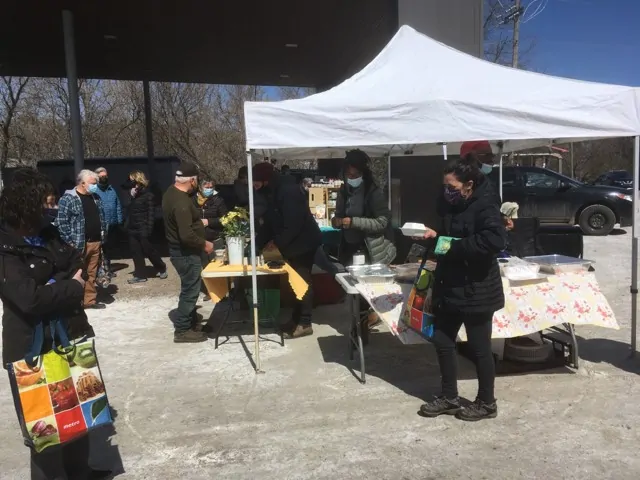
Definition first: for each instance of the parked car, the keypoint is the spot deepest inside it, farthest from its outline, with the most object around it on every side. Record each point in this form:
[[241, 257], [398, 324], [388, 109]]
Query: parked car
[[615, 178], [556, 199]]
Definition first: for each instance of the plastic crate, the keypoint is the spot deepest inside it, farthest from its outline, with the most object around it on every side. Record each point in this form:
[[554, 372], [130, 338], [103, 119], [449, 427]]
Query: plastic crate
[[268, 305]]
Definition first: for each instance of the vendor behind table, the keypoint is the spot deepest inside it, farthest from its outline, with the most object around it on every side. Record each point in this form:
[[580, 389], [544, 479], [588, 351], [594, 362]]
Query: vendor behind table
[[363, 215], [289, 226]]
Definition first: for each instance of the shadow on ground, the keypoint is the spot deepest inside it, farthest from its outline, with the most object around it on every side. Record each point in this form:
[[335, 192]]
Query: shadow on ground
[[107, 295], [612, 352], [104, 454]]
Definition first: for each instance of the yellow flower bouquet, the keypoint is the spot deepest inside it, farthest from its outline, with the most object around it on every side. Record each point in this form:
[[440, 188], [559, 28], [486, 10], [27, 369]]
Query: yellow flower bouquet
[[236, 223]]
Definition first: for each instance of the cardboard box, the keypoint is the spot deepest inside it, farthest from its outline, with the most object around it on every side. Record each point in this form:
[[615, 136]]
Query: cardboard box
[[317, 196]]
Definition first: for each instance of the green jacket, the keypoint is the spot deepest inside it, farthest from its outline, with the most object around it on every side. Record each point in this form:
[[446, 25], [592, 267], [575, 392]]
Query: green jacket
[[375, 224]]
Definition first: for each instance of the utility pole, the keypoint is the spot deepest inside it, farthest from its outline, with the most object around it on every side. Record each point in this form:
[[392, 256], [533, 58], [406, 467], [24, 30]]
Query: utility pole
[[573, 173], [513, 14], [516, 33]]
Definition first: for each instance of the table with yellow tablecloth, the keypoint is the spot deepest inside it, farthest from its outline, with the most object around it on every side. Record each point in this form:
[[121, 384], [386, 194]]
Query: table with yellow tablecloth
[[217, 279]]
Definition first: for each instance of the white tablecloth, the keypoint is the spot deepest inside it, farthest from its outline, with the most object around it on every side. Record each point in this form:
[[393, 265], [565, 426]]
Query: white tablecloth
[[530, 307]]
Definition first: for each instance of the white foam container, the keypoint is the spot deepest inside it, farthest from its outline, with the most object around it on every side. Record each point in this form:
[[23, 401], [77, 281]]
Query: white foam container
[[413, 230]]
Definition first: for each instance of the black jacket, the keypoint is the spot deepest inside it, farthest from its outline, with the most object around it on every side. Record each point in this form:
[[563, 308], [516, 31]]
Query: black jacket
[[468, 277], [24, 273], [240, 194], [141, 214], [213, 209], [288, 220]]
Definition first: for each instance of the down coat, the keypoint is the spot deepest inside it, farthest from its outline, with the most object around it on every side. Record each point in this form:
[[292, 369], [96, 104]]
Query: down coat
[[468, 276], [375, 224]]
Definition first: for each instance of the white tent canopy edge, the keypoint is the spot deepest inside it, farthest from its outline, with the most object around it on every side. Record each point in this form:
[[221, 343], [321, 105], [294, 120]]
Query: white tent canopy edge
[[418, 94]]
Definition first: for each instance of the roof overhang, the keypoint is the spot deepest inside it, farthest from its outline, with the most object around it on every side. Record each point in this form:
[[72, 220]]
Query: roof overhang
[[288, 42]]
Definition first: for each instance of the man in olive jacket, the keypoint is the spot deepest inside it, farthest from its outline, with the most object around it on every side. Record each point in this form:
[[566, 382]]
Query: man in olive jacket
[[185, 234]]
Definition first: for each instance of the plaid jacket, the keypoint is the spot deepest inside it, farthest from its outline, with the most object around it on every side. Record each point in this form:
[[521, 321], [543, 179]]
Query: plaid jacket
[[70, 221]]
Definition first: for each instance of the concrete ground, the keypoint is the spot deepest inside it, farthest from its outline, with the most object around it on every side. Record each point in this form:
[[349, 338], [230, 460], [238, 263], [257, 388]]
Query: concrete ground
[[192, 412]]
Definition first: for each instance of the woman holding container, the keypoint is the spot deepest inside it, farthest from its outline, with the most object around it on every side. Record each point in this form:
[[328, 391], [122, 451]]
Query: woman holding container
[[468, 288]]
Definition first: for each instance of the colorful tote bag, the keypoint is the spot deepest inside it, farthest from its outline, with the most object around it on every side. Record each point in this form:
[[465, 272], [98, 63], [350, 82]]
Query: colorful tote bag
[[418, 314], [59, 396]]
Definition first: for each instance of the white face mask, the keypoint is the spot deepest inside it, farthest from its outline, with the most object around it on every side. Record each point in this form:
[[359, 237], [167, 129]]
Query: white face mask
[[486, 168], [354, 182]]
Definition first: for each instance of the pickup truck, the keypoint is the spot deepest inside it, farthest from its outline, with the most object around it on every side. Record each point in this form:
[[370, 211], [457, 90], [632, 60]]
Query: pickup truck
[[556, 199]]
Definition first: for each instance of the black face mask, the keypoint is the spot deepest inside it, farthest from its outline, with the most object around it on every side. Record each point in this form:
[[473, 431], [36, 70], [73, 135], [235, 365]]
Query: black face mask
[[104, 180]]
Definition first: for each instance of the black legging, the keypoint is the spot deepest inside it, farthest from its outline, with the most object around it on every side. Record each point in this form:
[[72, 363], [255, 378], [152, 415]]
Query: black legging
[[478, 329]]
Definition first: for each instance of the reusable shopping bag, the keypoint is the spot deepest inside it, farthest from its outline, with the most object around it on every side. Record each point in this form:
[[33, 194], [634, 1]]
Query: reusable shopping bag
[[59, 396], [418, 314]]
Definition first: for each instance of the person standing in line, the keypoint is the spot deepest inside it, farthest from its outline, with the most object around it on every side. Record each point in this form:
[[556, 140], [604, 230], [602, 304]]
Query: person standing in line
[[289, 226], [51, 207], [468, 288], [113, 216], [40, 279], [185, 235], [212, 208], [139, 226], [81, 222]]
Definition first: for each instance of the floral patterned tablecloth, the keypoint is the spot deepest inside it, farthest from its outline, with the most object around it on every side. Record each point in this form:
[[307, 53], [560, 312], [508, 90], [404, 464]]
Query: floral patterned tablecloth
[[530, 306]]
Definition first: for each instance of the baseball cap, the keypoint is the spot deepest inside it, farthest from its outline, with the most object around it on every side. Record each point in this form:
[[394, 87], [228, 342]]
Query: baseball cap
[[187, 169]]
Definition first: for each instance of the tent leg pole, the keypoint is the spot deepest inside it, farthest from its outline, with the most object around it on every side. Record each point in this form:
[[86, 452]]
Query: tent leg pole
[[634, 247], [254, 279], [389, 181], [500, 176], [72, 86]]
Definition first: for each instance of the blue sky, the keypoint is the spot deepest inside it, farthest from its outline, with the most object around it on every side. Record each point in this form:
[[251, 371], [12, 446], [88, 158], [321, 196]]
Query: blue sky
[[596, 40]]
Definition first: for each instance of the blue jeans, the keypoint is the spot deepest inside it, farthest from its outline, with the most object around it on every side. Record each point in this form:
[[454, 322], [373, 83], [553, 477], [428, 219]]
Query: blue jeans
[[189, 268]]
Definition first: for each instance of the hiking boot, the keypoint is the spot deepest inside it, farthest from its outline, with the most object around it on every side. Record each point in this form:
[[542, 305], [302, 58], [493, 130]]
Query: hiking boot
[[441, 406], [190, 336], [478, 410], [299, 331], [287, 328], [99, 474], [135, 280], [162, 275], [95, 306]]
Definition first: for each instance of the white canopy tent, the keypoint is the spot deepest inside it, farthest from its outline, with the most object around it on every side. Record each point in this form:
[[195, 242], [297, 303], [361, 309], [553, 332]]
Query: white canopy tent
[[419, 94]]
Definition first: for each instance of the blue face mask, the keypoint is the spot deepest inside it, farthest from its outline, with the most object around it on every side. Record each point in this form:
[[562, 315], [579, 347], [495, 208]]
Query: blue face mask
[[486, 168], [207, 192], [93, 188], [354, 182]]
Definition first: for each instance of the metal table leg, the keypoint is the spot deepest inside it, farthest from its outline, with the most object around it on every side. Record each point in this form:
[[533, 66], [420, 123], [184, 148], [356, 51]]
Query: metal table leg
[[575, 358], [355, 334], [230, 299]]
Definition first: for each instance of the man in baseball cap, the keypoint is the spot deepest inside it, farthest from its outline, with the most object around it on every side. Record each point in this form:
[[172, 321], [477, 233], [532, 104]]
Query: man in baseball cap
[[185, 235], [481, 151]]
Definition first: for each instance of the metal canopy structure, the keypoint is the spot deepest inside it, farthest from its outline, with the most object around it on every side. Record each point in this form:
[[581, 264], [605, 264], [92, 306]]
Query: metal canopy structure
[[288, 42]]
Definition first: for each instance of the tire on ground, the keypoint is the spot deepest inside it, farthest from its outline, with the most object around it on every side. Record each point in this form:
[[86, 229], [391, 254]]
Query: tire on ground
[[597, 220]]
